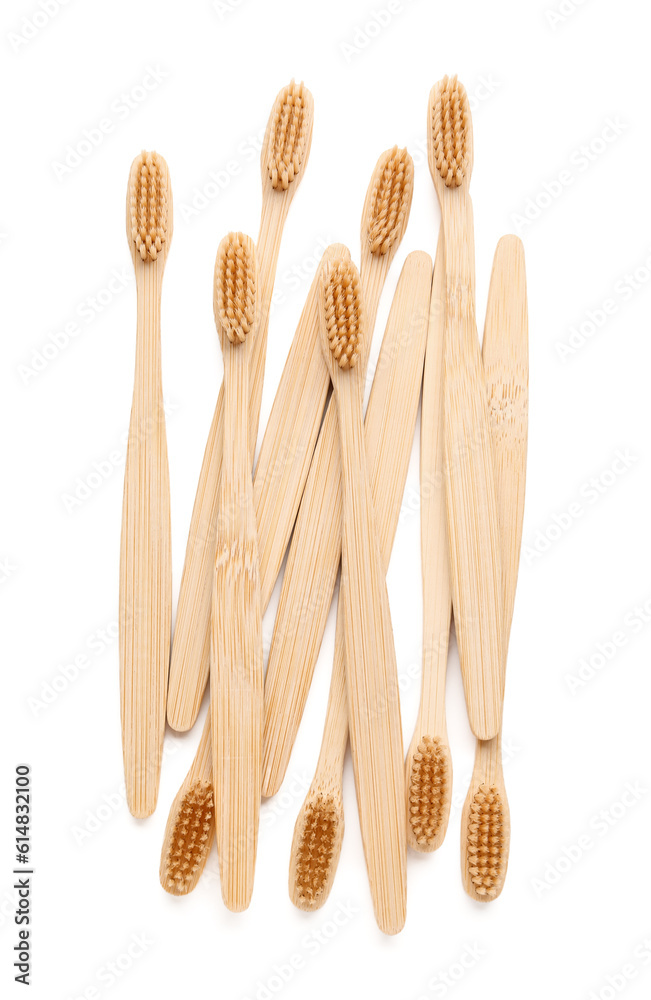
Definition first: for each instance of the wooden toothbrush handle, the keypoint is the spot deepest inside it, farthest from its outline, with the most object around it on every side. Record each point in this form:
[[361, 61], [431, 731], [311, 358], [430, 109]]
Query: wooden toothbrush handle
[[236, 653], [505, 356], [290, 437], [308, 585], [190, 662], [335, 729], [437, 601], [388, 432], [371, 676], [201, 767], [236, 711], [474, 546], [312, 562], [190, 665], [145, 604]]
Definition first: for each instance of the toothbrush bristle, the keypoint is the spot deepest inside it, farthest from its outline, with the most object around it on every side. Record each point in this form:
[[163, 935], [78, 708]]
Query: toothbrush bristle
[[148, 204], [289, 124], [429, 791], [343, 311], [235, 286], [190, 841], [451, 131], [486, 842], [316, 851], [391, 201]]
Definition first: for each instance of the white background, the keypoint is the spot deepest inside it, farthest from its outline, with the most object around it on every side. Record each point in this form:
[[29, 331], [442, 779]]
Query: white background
[[551, 89]]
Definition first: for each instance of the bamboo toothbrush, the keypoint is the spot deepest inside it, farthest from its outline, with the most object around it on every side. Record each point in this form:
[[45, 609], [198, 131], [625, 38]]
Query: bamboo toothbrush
[[371, 672], [311, 570], [294, 426], [283, 160], [236, 700], [429, 766], [389, 426], [485, 825], [295, 420], [389, 431], [190, 828], [473, 533], [290, 437], [145, 559]]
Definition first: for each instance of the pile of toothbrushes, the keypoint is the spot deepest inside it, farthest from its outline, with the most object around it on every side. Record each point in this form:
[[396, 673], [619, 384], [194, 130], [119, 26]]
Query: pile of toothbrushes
[[325, 497]]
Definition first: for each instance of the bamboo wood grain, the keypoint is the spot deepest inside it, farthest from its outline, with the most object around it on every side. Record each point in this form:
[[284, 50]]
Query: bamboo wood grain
[[313, 559], [428, 768], [190, 662], [190, 828], [389, 430], [506, 364], [371, 670], [236, 680], [292, 425], [290, 438], [145, 602], [473, 533]]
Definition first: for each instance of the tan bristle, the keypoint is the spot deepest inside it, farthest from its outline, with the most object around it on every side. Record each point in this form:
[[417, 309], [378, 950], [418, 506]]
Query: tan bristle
[[190, 840], [290, 127], [486, 842], [148, 201], [235, 286], [315, 850], [428, 790], [391, 201], [451, 126], [343, 312]]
